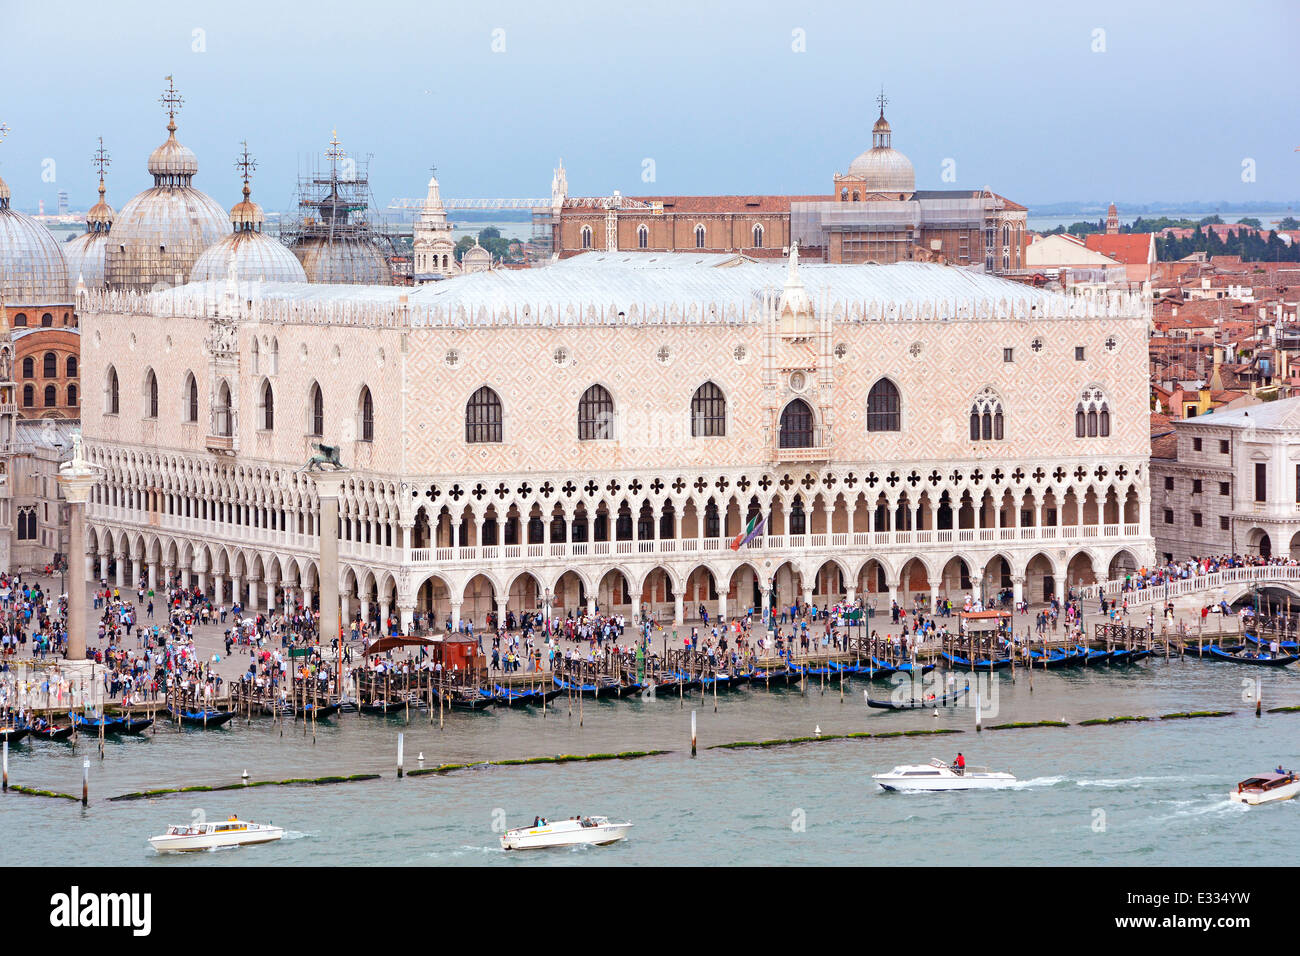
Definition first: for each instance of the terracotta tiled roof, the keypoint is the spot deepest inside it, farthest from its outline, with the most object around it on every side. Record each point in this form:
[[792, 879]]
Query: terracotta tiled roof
[[1130, 248]]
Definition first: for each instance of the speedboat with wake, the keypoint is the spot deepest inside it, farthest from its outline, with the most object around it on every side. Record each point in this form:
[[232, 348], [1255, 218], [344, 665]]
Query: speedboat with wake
[[937, 775], [595, 831], [210, 836], [1269, 787]]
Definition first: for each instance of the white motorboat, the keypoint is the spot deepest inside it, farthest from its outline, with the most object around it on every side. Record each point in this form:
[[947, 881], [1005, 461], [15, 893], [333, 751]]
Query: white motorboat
[[545, 833], [937, 775], [210, 836], [1267, 787]]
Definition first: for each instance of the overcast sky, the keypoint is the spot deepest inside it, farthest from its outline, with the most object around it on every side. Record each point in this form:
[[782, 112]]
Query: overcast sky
[[1164, 102]]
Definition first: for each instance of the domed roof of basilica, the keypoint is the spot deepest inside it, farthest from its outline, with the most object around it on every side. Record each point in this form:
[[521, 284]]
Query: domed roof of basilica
[[85, 253], [160, 233], [883, 168], [255, 255], [349, 261], [33, 269]]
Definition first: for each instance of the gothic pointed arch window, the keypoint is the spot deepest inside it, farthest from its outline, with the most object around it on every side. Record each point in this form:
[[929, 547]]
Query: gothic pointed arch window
[[595, 414], [758, 235], [708, 412], [266, 407], [884, 407], [699, 236], [366, 414], [1092, 414], [642, 236], [986, 421], [586, 237], [191, 398], [150, 394], [111, 392], [483, 417], [225, 416], [796, 429], [315, 411]]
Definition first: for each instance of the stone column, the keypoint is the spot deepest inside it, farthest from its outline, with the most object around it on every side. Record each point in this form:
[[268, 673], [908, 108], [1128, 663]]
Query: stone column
[[501, 612], [120, 572], [636, 607], [135, 572], [328, 486], [722, 605], [406, 615], [455, 615], [1017, 587], [103, 565], [77, 479], [679, 609], [270, 596], [153, 576]]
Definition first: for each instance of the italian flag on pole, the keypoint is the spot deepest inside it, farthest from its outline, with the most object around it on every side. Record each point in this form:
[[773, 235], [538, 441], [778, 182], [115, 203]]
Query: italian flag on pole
[[752, 531]]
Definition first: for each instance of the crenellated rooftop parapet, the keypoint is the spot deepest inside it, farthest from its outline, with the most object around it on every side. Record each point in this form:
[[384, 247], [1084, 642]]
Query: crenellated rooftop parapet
[[397, 312]]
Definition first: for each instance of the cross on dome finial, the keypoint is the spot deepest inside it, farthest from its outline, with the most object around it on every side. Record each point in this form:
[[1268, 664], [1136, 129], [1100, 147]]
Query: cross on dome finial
[[882, 100], [245, 164], [4, 131], [172, 102], [101, 160]]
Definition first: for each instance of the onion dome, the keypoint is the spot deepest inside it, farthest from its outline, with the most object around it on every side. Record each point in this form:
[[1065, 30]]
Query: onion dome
[[33, 270], [85, 254], [254, 254], [160, 233]]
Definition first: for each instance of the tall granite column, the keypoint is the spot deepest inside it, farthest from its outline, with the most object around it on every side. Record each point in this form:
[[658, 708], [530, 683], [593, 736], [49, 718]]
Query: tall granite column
[[328, 486], [77, 478]]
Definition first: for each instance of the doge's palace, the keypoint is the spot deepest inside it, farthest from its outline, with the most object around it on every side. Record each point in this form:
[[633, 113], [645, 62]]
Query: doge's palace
[[597, 432]]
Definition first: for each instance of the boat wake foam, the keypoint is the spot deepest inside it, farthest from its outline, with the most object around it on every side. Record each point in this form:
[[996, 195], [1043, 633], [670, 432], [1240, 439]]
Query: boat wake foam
[[1036, 782]]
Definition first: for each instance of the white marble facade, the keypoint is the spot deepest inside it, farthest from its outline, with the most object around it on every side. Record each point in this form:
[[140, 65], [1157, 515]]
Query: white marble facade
[[875, 499]]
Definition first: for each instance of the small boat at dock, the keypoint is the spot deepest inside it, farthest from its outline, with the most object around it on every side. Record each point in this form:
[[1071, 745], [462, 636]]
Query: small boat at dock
[[1269, 787], [903, 667], [319, 711], [982, 664], [1245, 657], [51, 733], [12, 735], [134, 725], [594, 831], [201, 718], [383, 707], [92, 723], [210, 836]]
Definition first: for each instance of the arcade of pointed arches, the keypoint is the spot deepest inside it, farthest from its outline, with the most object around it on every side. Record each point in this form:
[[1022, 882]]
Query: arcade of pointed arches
[[921, 525]]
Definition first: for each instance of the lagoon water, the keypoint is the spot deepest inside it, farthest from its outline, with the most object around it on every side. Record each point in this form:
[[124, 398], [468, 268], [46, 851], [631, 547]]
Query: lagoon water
[[1140, 793]]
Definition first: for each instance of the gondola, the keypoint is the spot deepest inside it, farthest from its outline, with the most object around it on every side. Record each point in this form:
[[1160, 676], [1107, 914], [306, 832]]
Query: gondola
[[983, 664], [904, 668], [1091, 657], [590, 691], [321, 711], [1057, 658], [92, 725], [1284, 645], [131, 725], [1132, 657], [804, 670], [13, 734], [205, 719], [948, 700], [1258, 660], [780, 676], [509, 697], [51, 733], [1206, 651], [470, 701], [384, 708]]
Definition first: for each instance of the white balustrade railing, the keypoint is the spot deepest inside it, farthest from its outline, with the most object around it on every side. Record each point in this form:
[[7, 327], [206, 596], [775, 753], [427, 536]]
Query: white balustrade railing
[[1129, 589]]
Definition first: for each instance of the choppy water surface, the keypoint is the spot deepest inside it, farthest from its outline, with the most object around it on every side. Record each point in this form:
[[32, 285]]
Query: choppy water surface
[[1152, 793]]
